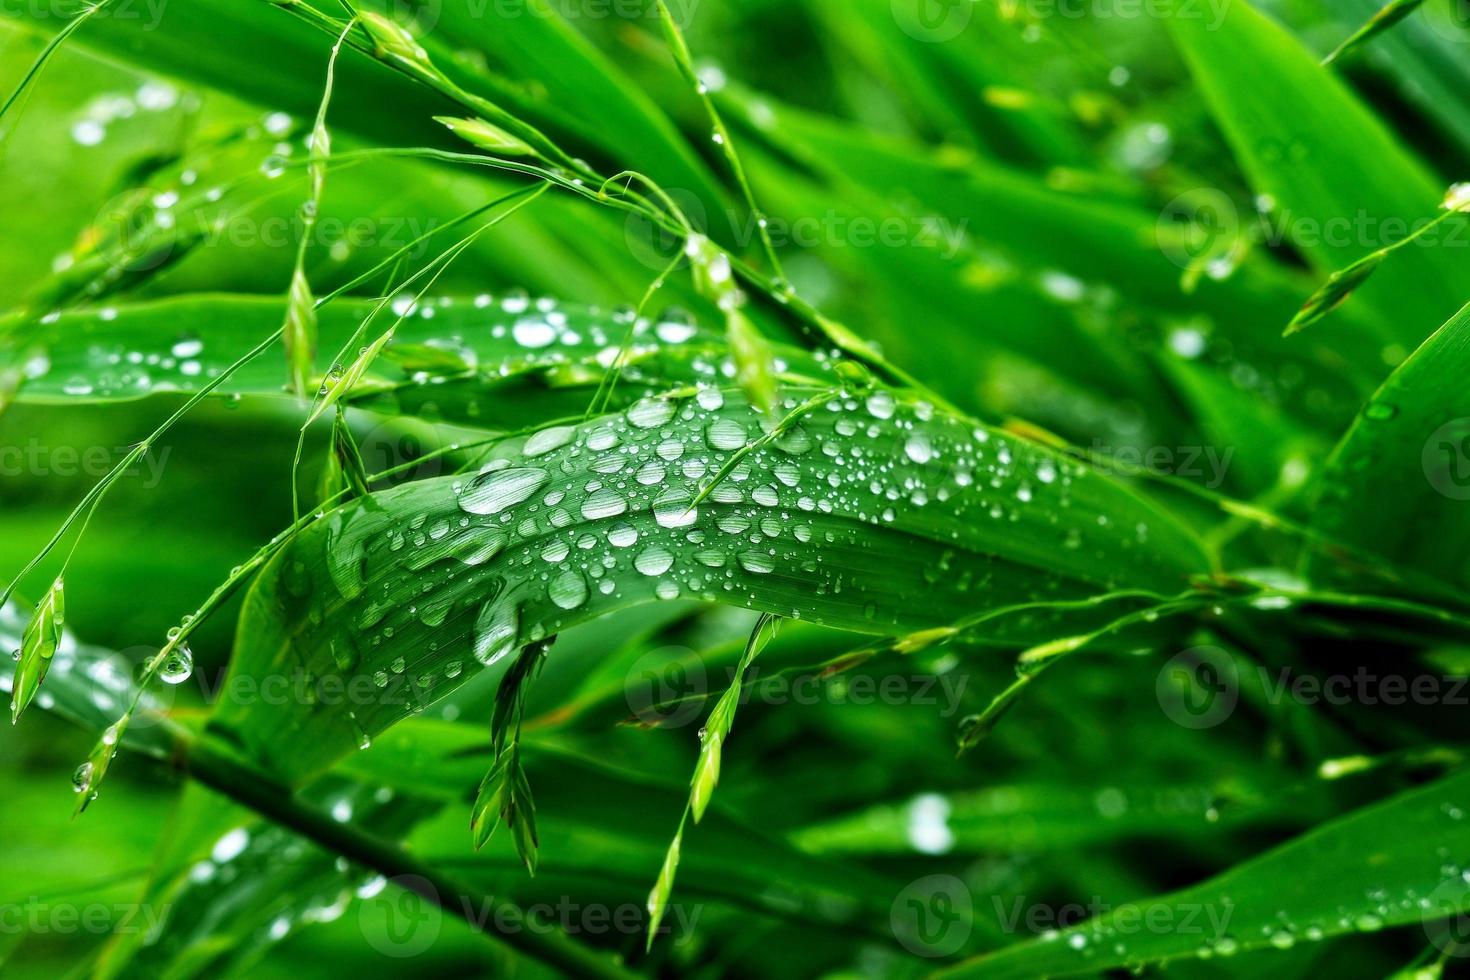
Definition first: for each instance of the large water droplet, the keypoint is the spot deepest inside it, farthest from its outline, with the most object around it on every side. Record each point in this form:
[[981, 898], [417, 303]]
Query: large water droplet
[[654, 560], [569, 589], [548, 439], [725, 434], [495, 631], [672, 509], [650, 412], [178, 666], [492, 493], [603, 503], [757, 562], [918, 449]]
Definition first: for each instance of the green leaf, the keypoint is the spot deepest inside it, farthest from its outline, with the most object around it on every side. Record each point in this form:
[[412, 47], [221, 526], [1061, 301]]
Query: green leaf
[[1387, 16], [422, 585], [38, 645], [1029, 816], [1397, 483], [525, 359], [1359, 873], [1342, 183]]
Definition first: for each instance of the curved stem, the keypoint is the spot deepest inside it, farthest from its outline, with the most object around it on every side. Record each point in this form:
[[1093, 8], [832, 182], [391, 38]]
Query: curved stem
[[213, 766]]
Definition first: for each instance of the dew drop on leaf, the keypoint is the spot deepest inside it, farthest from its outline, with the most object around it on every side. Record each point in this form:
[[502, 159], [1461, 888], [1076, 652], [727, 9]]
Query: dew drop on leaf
[[491, 493]]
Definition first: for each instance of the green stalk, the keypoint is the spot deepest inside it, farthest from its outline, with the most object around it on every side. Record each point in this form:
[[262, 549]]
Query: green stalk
[[208, 763], [680, 50]]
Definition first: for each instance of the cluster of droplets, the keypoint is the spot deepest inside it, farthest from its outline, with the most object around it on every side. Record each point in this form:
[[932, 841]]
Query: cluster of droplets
[[494, 336], [690, 497]]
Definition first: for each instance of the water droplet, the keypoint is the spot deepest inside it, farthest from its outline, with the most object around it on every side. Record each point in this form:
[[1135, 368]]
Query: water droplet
[[548, 439], [533, 333], [654, 560], [1380, 411], [492, 493], [178, 666], [496, 629], [725, 434], [918, 449], [649, 413], [568, 590], [880, 405], [756, 562], [672, 509], [603, 503]]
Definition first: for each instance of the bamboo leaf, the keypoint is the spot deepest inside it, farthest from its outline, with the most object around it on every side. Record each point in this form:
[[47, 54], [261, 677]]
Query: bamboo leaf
[[436, 579], [1396, 483], [523, 358], [1357, 874], [1322, 157]]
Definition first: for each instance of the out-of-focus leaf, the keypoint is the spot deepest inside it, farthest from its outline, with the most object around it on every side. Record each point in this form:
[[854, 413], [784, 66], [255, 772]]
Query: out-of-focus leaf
[[524, 359], [1038, 816], [1398, 482], [1342, 185], [727, 860], [227, 886]]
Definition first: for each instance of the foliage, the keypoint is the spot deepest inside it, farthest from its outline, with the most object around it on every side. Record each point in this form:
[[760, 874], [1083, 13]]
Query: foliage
[[1043, 429]]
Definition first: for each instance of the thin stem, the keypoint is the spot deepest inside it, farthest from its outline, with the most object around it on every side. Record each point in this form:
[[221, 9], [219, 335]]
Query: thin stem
[[212, 766], [680, 50], [48, 51]]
